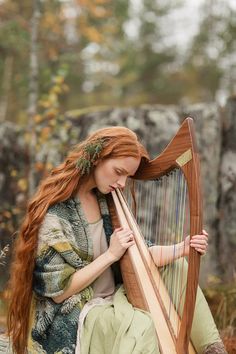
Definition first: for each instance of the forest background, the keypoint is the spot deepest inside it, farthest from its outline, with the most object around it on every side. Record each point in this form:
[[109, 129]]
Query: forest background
[[81, 55]]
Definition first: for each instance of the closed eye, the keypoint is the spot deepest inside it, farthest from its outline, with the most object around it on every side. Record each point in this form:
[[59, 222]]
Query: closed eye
[[119, 172]]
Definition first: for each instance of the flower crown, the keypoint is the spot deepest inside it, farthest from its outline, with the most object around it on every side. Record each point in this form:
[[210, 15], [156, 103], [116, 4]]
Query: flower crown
[[91, 152]]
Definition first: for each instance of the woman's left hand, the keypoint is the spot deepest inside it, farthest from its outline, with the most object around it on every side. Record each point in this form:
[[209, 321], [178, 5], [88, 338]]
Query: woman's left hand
[[198, 242]]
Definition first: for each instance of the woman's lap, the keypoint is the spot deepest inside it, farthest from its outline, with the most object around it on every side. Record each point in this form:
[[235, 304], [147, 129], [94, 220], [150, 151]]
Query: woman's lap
[[127, 336]]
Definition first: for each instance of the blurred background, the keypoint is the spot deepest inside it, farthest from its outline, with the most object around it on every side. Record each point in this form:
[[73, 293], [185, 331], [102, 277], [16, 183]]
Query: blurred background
[[123, 52], [68, 67]]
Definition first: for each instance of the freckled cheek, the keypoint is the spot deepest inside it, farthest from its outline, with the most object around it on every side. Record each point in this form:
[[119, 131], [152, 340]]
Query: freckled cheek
[[109, 176], [105, 176]]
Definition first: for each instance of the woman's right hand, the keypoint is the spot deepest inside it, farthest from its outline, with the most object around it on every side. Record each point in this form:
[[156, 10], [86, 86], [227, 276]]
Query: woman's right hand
[[120, 241]]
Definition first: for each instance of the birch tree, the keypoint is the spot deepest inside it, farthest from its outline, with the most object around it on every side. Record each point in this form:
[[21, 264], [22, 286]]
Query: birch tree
[[33, 91]]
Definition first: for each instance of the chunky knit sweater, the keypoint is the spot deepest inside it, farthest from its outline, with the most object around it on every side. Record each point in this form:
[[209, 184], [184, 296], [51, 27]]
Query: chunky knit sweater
[[64, 246]]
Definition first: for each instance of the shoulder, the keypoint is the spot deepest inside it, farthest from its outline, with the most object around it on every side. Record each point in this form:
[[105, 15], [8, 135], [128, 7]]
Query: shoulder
[[56, 226], [50, 231], [63, 210], [49, 223]]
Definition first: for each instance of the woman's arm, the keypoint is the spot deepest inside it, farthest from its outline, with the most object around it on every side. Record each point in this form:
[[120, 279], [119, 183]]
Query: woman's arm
[[85, 276], [120, 240], [163, 255]]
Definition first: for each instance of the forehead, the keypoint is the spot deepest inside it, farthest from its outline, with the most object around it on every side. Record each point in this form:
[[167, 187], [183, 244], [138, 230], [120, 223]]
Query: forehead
[[130, 164]]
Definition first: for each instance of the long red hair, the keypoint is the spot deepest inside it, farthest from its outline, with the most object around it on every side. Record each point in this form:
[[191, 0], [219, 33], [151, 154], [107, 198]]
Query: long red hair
[[60, 185]]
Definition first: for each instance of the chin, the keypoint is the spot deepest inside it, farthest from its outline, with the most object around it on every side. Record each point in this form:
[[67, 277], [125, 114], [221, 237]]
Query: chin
[[104, 190]]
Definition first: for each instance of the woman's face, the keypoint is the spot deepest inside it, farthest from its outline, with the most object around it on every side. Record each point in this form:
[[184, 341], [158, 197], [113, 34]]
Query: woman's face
[[112, 173]]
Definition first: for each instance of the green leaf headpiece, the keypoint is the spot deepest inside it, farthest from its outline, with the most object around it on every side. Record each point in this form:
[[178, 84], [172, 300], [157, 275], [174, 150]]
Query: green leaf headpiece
[[91, 153]]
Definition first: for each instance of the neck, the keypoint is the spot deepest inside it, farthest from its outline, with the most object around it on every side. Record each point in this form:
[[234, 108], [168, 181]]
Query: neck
[[86, 187]]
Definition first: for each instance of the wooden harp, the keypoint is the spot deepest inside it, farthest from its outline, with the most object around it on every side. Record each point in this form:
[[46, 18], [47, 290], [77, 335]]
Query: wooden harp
[[143, 281]]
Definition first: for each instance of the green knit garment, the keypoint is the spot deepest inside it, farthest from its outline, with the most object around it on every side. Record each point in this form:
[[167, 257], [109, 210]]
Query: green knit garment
[[64, 246]]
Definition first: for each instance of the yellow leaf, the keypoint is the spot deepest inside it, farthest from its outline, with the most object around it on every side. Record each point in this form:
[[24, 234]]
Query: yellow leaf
[[45, 132], [52, 98], [58, 79], [57, 89], [100, 12], [27, 137], [7, 214], [52, 123], [39, 166], [37, 118], [14, 173], [93, 35], [49, 166], [51, 113], [44, 103], [23, 184], [16, 211]]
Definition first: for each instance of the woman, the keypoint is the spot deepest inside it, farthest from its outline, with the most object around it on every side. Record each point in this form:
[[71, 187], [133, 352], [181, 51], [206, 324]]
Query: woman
[[56, 272]]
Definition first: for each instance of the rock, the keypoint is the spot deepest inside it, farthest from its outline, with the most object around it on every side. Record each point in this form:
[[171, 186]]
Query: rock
[[155, 125], [227, 195], [208, 123]]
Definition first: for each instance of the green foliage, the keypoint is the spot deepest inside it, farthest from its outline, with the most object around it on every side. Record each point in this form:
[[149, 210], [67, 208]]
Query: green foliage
[[209, 65], [90, 154], [105, 65], [13, 36], [51, 125]]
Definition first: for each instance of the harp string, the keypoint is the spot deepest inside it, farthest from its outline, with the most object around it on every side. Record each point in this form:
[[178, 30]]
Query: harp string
[[163, 217], [177, 275], [172, 237], [179, 281], [174, 209]]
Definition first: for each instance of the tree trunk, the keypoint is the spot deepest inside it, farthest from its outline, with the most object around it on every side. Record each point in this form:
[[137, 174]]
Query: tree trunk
[[6, 85], [33, 92]]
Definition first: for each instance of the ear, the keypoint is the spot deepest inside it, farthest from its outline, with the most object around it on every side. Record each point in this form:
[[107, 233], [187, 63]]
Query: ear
[[95, 163]]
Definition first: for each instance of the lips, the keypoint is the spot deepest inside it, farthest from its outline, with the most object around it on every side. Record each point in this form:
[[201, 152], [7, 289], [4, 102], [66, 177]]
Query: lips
[[112, 188]]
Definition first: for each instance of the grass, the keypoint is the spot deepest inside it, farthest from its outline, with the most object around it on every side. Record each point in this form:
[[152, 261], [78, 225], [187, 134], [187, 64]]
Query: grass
[[222, 301]]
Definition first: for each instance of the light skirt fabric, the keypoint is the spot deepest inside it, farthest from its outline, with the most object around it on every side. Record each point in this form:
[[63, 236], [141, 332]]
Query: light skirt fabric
[[89, 305], [118, 328]]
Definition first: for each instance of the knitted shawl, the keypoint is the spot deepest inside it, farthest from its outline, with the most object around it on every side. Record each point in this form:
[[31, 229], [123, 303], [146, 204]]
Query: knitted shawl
[[64, 246]]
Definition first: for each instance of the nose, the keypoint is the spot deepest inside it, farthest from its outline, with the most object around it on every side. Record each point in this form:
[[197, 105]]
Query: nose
[[121, 182]]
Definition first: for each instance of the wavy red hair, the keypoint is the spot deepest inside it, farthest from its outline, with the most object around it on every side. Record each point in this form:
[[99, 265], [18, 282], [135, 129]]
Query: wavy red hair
[[61, 184]]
